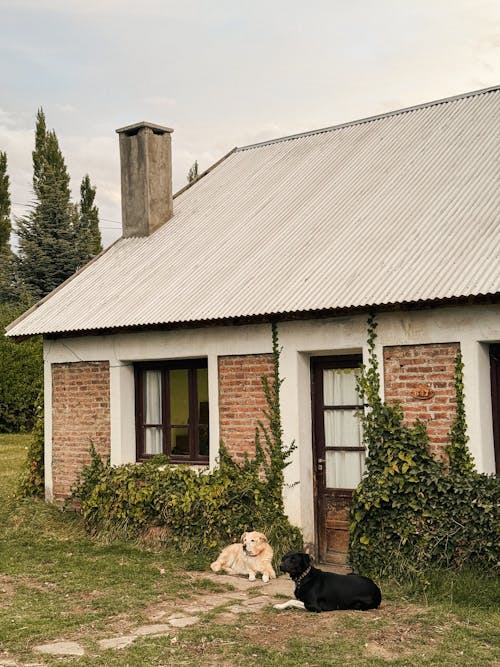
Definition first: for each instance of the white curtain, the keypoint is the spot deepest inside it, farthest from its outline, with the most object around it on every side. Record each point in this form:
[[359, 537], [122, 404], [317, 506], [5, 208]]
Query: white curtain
[[339, 386], [153, 413], [342, 428], [344, 469]]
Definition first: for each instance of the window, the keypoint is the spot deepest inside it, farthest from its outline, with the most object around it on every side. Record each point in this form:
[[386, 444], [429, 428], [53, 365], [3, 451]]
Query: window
[[339, 438], [171, 410]]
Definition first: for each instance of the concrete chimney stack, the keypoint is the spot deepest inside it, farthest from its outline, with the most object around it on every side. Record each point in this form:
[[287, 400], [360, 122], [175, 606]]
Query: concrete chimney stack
[[146, 175]]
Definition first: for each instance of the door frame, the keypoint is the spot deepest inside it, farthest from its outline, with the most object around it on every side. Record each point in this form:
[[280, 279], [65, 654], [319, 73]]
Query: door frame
[[323, 499]]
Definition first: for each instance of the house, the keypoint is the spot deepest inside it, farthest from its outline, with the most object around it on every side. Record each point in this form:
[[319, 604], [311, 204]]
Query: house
[[159, 344]]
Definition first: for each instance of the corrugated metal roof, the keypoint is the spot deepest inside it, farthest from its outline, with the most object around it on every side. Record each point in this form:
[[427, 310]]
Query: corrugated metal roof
[[393, 209]]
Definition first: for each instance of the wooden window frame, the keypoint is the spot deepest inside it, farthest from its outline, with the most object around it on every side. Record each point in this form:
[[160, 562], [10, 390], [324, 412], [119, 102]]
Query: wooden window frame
[[164, 367]]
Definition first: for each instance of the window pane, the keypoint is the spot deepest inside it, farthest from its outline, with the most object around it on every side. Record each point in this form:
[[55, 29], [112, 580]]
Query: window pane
[[203, 441], [342, 428], [339, 386], [344, 469], [202, 392], [179, 397], [152, 397], [153, 441], [179, 441]]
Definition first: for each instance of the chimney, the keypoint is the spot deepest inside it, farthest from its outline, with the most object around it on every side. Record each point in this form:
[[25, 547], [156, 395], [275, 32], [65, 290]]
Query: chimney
[[146, 175]]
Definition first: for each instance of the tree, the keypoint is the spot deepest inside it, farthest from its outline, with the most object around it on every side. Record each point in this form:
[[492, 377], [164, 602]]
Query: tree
[[87, 234], [47, 253], [193, 172], [5, 226], [57, 236], [7, 259]]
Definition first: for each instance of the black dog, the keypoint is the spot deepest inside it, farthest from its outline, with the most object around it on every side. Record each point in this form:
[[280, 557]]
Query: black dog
[[326, 591]]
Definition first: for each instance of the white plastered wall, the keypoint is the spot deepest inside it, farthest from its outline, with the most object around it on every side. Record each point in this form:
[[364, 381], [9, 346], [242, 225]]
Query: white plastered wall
[[473, 327]]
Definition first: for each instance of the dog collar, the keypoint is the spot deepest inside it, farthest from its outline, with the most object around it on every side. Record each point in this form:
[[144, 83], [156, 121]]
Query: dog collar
[[304, 574]]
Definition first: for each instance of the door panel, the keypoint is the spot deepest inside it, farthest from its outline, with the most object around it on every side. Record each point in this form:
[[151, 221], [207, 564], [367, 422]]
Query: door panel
[[338, 450]]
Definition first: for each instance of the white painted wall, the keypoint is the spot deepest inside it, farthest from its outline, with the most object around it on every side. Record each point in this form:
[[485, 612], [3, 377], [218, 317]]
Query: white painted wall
[[473, 327]]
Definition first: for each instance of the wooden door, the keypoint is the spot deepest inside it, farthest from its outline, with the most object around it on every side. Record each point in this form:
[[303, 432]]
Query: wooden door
[[338, 450]]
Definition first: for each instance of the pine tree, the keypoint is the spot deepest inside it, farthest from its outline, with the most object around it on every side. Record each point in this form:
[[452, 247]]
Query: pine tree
[[193, 172], [87, 234], [7, 259], [5, 226], [47, 252]]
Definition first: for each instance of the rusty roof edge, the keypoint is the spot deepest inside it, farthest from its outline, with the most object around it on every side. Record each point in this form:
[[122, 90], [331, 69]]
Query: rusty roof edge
[[370, 119]]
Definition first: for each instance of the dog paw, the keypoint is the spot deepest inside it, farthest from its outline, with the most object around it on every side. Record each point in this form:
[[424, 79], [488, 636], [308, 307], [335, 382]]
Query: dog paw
[[265, 578]]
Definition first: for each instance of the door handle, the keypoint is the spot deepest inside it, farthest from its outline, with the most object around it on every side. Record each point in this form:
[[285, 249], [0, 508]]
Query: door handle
[[320, 464], [321, 461]]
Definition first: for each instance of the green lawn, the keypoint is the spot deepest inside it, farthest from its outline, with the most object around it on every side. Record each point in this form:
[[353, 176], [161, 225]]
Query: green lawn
[[56, 583]]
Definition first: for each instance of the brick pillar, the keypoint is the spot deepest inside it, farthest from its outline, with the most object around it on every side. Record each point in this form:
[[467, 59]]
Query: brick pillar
[[80, 413], [421, 379], [242, 400]]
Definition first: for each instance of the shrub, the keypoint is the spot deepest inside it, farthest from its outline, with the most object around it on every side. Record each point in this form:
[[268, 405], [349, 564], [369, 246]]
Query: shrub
[[21, 375], [202, 511], [411, 511], [31, 480]]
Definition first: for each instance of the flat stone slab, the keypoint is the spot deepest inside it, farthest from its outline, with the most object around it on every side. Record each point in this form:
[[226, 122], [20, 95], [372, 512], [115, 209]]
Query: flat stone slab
[[117, 642], [183, 621], [153, 629], [61, 648]]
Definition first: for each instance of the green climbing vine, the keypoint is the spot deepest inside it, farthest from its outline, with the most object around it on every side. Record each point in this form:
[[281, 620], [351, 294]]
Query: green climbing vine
[[412, 511]]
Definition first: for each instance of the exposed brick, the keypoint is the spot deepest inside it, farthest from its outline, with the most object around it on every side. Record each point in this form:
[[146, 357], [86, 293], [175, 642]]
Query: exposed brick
[[242, 400], [80, 413], [406, 367]]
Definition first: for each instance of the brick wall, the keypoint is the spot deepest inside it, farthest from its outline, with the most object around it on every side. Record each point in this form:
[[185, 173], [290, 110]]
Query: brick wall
[[242, 400], [80, 411], [417, 369]]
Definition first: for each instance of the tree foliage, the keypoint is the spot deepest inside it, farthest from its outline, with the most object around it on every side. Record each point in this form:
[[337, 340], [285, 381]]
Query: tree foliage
[[193, 172], [50, 248], [87, 234], [7, 259], [21, 375]]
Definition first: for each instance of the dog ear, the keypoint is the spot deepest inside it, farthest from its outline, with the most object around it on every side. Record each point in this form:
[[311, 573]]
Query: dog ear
[[242, 538], [263, 538]]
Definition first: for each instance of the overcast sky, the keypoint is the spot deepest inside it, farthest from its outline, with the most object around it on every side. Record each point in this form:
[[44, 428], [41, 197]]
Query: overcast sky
[[222, 73]]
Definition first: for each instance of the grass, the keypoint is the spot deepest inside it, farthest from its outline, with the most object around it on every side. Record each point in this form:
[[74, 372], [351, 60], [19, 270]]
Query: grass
[[56, 583]]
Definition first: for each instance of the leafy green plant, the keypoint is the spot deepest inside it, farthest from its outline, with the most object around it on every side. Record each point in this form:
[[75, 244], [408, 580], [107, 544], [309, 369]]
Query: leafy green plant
[[201, 511], [31, 480], [412, 511]]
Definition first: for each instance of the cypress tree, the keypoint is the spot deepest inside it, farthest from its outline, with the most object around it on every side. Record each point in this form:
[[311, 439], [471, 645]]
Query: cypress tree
[[5, 226], [87, 234], [7, 259], [47, 252]]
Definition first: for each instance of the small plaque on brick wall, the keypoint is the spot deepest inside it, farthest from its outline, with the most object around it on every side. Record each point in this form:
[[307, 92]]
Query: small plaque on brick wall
[[422, 392]]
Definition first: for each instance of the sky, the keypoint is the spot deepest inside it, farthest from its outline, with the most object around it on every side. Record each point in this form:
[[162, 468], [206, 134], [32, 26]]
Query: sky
[[221, 73]]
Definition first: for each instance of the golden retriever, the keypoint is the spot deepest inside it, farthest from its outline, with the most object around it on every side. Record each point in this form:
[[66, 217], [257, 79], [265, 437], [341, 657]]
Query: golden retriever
[[252, 555]]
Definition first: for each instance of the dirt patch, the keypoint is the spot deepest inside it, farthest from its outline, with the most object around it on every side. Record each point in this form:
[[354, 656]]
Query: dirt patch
[[399, 632]]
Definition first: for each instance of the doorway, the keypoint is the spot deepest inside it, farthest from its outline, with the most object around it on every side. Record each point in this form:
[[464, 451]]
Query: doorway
[[338, 451]]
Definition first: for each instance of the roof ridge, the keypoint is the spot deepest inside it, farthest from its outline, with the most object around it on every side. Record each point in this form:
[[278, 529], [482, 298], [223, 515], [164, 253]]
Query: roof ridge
[[369, 119]]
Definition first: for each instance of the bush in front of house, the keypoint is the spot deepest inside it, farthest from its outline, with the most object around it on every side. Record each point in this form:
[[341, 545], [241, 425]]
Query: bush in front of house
[[197, 511], [412, 512]]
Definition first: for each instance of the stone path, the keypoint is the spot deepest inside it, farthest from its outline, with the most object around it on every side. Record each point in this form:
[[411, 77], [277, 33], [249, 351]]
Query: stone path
[[166, 617]]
